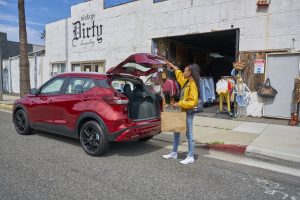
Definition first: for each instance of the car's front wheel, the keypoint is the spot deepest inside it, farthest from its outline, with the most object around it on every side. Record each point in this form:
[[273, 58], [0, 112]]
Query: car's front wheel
[[21, 123], [93, 139]]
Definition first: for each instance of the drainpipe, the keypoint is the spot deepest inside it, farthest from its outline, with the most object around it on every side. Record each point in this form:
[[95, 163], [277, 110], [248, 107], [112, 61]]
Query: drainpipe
[[35, 70], [10, 77]]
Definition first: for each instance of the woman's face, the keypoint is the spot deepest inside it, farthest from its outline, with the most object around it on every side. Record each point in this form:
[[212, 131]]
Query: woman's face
[[187, 72]]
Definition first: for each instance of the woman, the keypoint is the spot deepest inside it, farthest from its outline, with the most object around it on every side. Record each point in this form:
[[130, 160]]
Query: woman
[[188, 81]]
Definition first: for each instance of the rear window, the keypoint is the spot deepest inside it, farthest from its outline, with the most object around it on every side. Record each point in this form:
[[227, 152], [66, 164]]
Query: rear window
[[130, 67]]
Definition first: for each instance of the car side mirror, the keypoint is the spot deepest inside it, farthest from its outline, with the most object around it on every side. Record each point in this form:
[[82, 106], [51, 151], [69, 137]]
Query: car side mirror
[[33, 91]]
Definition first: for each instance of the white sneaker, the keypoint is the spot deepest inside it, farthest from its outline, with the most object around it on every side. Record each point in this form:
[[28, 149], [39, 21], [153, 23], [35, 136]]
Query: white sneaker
[[188, 160], [171, 155]]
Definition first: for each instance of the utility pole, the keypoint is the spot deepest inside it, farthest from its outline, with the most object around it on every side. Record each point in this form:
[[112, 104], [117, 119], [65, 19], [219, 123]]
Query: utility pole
[[1, 77]]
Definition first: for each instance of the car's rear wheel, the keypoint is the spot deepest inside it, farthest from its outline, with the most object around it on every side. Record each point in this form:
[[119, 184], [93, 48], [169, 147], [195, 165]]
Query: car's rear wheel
[[21, 123], [93, 139]]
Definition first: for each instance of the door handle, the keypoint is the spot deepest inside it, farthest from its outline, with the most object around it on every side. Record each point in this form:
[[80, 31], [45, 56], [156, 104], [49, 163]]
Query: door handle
[[50, 102]]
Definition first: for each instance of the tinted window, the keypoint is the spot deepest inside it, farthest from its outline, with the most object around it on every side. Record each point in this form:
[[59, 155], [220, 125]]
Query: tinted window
[[53, 87], [155, 1], [79, 85]]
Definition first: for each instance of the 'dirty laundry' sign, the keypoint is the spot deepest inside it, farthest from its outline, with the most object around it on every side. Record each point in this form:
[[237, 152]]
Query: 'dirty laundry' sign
[[86, 31]]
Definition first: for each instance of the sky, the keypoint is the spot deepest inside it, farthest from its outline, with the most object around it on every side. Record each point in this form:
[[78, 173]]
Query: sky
[[37, 12]]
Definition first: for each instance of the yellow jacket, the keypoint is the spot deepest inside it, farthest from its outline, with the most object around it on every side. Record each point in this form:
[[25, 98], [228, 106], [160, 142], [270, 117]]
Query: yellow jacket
[[190, 98]]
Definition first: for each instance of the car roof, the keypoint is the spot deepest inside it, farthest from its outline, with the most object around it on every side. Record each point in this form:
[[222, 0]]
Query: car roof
[[95, 75]]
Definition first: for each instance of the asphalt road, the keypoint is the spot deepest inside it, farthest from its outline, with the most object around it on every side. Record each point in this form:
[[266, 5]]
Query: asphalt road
[[46, 166]]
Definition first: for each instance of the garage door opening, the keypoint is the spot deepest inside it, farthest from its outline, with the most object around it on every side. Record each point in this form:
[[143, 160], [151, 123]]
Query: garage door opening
[[214, 52]]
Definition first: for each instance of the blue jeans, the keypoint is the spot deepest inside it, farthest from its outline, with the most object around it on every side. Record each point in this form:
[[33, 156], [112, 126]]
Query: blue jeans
[[189, 135]]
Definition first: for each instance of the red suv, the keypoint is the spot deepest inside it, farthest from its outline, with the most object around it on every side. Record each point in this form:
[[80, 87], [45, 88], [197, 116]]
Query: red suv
[[95, 108]]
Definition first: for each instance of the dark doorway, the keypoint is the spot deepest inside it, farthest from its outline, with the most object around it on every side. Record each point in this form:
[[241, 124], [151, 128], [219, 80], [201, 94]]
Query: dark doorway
[[214, 52]]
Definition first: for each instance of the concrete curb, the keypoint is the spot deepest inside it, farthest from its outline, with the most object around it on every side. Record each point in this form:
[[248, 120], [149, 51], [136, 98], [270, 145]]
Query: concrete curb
[[273, 160], [6, 106], [229, 148], [276, 155]]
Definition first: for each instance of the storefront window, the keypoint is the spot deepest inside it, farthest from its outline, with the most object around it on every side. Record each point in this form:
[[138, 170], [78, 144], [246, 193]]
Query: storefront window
[[87, 67], [76, 68], [58, 68], [111, 3], [97, 66]]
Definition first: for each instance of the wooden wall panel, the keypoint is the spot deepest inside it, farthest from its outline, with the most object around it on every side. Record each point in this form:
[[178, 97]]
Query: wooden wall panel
[[251, 79]]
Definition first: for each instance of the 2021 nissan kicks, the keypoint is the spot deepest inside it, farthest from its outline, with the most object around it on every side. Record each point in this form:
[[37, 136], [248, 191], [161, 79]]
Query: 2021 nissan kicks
[[95, 108]]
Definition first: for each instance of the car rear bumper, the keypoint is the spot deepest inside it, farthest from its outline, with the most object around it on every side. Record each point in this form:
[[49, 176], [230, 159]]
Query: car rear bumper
[[137, 130]]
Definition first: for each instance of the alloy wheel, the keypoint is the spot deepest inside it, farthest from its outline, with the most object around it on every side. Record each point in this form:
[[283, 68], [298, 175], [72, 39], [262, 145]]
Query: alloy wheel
[[20, 122], [91, 138]]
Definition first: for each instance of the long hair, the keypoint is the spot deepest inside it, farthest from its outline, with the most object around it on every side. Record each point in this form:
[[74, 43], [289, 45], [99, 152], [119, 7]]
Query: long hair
[[195, 73]]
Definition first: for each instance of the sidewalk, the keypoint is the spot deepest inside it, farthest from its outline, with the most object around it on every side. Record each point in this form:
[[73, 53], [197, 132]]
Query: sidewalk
[[8, 101], [276, 142]]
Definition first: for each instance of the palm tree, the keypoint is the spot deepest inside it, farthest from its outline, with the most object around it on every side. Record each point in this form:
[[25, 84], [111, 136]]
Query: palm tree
[[24, 62], [43, 35]]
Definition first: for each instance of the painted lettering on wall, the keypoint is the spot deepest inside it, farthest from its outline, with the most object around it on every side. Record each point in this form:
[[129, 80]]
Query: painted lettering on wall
[[86, 31]]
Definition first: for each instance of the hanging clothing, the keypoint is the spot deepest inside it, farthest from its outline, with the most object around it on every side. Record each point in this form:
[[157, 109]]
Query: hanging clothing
[[222, 86], [169, 87], [207, 89]]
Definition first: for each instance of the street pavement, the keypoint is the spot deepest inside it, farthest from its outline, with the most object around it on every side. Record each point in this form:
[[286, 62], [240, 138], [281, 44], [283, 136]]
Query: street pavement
[[46, 166], [278, 143]]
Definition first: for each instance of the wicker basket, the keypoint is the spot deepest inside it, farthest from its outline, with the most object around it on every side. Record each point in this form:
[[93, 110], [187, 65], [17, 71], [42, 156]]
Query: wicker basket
[[239, 66]]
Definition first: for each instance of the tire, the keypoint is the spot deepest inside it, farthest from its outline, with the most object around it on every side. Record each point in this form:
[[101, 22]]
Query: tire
[[21, 123], [93, 139], [145, 139]]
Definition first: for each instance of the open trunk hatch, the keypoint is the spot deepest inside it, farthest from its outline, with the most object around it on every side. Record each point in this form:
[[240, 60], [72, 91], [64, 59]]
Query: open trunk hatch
[[141, 64]]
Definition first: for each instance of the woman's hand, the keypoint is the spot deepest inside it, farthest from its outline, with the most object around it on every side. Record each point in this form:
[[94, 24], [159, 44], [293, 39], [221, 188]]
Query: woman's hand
[[171, 65], [175, 104]]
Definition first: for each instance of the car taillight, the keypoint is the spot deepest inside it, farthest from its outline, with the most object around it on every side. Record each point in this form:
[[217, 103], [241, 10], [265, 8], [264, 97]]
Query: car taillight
[[116, 100]]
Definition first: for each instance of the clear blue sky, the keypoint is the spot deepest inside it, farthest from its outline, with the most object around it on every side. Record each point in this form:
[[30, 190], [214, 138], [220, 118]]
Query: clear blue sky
[[38, 13]]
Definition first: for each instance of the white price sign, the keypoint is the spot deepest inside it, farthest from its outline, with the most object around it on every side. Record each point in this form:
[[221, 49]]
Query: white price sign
[[259, 66]]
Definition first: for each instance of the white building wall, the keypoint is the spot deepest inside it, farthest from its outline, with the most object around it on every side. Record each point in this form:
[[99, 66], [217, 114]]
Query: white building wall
[[12, 65], [56, 41], [129, 28]]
